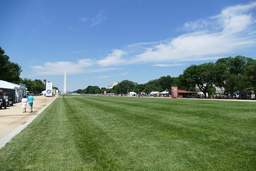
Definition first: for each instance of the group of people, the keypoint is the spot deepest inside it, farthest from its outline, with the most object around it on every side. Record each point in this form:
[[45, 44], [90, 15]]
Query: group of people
[[27, 100]]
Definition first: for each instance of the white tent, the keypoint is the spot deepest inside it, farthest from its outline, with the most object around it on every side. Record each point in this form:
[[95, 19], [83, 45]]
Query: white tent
[[165, 92], [154, 93], [6, 84], [20, 90], [131, 94]]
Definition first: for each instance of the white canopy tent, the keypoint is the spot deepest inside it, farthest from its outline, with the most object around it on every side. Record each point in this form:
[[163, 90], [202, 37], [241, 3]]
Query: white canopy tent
[[154, 93], [165, 92], [131, 94], [20, 90], [6, 84]]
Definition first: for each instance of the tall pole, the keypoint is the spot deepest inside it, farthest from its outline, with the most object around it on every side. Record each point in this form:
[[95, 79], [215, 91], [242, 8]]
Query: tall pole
[[65, 83]]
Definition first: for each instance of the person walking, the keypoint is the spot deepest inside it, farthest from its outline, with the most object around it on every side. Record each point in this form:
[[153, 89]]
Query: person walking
[[30, 102], [4, 103], [24, 101]]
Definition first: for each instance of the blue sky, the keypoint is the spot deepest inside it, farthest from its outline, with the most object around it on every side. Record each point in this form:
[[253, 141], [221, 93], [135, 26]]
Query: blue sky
[[98, 42]]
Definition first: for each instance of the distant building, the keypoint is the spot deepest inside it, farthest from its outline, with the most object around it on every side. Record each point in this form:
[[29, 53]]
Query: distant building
[[112, 85]]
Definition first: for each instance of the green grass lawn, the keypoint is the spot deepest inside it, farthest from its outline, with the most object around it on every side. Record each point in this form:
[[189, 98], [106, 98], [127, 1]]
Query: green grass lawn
[[128, 133]]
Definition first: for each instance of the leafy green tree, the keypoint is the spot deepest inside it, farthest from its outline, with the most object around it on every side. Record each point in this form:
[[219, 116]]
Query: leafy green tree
[[79, 91], [28, 83], [201, 75], [35, 86], [166, 82], [124, 87], [234, 74], [87, 89], [139, 88], [206, 77], [175, 81], [92, 90], [56, 88], [38, 86], [116, 89], [250, 74], [9, 71], [221, 74], [150, 87], [161, 84], [155, 83], [211, 90], [104, 89], [186, 82]]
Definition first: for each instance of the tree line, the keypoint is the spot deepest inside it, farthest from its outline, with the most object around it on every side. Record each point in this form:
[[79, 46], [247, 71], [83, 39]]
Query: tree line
[[10, 71], [126, 86], [230, 73]]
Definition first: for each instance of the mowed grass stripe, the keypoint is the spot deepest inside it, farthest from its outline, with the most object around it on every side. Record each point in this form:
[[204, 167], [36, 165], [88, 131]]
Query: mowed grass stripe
[[92, 142], [120, 133]]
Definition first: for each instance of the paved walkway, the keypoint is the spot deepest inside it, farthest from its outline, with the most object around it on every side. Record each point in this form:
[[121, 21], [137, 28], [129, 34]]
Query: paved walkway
[[13, 120]]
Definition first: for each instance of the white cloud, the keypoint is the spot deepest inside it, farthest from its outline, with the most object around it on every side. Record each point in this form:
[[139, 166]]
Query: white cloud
[[217, 35], [84, 19], [98, 19], [126, 73], [58, 68], [236, 19], [237, 9], [187, 47], [115, 58], [142, 44], [199, 24]]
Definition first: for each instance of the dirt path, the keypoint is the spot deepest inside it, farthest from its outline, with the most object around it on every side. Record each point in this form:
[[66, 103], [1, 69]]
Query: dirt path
[[13, 116]]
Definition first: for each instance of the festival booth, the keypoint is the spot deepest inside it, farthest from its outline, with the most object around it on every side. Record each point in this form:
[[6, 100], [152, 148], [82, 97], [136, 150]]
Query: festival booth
[[182, 93]]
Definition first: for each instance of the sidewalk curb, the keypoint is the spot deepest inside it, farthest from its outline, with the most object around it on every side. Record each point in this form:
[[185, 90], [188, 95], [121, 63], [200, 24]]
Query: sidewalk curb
[[4, 140]]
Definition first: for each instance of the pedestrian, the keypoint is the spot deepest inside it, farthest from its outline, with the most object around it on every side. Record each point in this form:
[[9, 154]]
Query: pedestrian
[[24, 101], [4, 103], [30, 102]]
